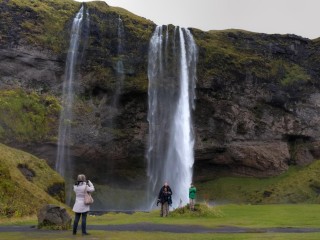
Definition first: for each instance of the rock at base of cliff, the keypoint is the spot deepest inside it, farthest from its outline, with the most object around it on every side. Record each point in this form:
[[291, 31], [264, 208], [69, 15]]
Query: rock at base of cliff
[[251, 158], [54, 217]]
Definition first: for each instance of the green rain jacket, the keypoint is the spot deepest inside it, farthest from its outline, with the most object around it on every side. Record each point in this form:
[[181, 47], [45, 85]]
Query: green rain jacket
[[192, 192]]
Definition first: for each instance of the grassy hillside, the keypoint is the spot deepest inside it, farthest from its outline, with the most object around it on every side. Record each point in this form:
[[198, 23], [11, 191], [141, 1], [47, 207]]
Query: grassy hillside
[[298, 185], [25, 182]]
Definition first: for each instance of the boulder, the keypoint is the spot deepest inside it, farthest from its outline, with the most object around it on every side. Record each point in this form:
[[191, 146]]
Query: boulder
[[54, 217]]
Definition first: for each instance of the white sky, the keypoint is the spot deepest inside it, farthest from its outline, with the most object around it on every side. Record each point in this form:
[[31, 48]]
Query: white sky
[[300, 17]]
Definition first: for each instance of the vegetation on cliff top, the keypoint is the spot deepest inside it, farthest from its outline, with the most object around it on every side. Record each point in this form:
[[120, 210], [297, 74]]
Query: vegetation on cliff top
[[44, 22], [235, 55], [47, 23], [230, 54], [26, 117], [134, 24], [25, 182]]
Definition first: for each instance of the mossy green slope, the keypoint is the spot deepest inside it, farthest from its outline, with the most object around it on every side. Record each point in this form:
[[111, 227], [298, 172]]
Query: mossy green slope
[[20, 196], [298, 185]]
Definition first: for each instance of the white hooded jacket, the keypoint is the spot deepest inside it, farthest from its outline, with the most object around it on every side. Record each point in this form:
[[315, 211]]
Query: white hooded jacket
[[79, 206]]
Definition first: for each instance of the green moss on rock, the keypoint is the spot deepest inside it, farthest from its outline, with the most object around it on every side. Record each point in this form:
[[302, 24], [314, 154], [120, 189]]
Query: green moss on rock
[[235, 55], [26, 117], [45, 22], [294, 74]]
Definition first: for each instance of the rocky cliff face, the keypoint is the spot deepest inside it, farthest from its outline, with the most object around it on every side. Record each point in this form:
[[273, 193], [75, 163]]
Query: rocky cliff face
[[257, 110], [257, 107]]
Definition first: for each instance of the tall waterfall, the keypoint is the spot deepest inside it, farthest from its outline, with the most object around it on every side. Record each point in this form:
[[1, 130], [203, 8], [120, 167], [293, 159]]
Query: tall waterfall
[[64, 138], [172, 76]]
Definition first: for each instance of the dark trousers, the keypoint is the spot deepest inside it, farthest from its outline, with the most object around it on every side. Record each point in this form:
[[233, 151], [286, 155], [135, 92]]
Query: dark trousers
[[83, 223]]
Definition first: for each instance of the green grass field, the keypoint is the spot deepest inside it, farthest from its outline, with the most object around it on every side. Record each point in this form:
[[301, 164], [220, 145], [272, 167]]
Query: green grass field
[[250, 216], [253, 216]]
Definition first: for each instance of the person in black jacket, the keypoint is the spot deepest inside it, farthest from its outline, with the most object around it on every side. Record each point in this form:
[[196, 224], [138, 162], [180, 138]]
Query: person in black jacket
[[165, 199]]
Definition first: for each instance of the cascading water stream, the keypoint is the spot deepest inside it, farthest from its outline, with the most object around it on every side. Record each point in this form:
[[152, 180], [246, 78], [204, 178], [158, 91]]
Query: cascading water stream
[[119, 67], [62, 165], [171, 92]]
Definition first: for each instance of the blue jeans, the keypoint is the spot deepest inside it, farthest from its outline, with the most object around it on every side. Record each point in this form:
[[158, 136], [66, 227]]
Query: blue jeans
[[83, 223]]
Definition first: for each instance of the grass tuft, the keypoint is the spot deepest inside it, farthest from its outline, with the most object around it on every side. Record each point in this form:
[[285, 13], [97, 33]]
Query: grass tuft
[[200, 210]]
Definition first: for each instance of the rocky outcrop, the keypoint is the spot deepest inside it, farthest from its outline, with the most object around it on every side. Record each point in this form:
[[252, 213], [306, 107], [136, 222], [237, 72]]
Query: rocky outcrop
[[259, 159], [257, 107], [53, 217], [30, 69]]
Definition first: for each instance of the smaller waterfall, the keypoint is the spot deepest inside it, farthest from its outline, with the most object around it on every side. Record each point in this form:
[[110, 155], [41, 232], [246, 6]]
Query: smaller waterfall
[[119, 67], [62, 165]]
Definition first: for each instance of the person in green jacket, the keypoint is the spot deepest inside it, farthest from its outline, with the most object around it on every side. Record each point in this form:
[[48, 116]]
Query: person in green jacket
[[192, 196]]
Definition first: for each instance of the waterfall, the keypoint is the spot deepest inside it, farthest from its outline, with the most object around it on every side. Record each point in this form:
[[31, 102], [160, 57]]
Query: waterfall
[[119, 66], [65, 122], [172, 76]]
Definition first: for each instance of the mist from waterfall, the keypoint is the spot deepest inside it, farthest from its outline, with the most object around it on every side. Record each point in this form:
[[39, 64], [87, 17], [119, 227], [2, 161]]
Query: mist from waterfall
[[63, 160], [172, 75]]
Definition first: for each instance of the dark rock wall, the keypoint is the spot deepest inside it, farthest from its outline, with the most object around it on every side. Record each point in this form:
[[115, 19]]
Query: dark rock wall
[[257, 107]]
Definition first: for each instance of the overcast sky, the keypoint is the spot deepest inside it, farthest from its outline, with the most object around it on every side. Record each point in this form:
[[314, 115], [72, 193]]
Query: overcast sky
[[300, 17]]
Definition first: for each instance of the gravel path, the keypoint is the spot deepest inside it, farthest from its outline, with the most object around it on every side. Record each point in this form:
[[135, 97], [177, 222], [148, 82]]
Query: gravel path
[[149, 227]]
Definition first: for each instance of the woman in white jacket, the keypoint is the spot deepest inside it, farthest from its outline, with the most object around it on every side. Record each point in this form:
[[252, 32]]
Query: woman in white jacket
[[79, 207]]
